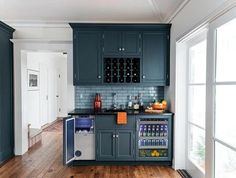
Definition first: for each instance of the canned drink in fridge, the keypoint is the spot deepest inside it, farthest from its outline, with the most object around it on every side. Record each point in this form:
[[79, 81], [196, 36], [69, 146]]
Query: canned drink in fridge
[[153, 130]]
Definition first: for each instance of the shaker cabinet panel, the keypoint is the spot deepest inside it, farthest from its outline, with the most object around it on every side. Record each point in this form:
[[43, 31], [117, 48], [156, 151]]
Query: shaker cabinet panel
[[105, 145], [131, 43], [154, 63], [121, 43], [112, 43], [87, 57], [125, 145]]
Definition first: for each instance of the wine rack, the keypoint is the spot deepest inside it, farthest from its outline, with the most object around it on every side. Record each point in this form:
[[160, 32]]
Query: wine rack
[[121, 70]]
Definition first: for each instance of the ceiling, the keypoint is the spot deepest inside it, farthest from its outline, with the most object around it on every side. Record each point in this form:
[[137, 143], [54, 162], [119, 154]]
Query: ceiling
[[64, 11]]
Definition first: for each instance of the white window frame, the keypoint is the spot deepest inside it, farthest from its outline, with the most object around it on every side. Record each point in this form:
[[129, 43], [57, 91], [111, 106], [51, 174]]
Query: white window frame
[[200, 37], [211, 86]]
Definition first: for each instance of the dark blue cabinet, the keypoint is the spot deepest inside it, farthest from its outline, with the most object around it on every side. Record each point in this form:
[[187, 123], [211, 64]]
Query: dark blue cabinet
[[6, 94], [121, 43], [114, 142], [105, 145], [68, 140], [112, 43], [87, 57], [148, 42], [125, 144], [155, 58]]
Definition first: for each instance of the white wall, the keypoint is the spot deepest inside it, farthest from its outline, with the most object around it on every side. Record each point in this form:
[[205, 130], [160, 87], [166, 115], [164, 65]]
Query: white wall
[[53, 62], [193, 14]]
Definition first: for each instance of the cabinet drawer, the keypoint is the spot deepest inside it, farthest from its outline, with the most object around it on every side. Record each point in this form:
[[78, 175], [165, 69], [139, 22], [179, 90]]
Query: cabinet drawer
[[109, 122], [129, 125], [105, 122]]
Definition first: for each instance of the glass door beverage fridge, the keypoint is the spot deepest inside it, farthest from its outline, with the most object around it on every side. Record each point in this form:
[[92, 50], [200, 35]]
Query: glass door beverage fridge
[[154, 137]]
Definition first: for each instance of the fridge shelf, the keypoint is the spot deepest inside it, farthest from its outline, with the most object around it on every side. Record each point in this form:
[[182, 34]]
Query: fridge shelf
[[153, 122], [153, 147], [152, 137]]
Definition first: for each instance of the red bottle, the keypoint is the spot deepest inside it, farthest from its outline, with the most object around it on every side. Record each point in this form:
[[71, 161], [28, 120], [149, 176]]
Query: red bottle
[[98, 102]]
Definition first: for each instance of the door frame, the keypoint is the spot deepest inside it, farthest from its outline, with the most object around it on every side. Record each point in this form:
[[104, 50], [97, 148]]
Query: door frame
[[21, 46]]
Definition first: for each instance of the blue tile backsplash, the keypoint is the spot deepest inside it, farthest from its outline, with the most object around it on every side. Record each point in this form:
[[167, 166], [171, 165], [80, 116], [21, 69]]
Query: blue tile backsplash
[[84, 95]]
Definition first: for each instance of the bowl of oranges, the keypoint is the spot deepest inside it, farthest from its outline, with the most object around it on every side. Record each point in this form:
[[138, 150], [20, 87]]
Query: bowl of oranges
[[160, 105]]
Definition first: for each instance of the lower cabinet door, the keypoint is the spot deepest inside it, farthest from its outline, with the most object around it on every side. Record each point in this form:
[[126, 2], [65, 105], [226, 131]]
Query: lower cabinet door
[[105, 145], [125, 145]]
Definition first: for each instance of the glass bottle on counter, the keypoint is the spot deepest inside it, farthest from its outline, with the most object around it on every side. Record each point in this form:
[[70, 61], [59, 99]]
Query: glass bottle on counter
[[141, 106], [130, 103], [136, 103], [97, 102]]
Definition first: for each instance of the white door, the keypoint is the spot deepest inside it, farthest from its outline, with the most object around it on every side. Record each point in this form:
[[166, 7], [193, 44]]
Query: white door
[[43, 94], [196, 102]]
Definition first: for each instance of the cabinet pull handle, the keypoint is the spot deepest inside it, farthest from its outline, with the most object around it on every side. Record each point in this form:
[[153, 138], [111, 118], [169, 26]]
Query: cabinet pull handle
[[99, 76], [144, 76]]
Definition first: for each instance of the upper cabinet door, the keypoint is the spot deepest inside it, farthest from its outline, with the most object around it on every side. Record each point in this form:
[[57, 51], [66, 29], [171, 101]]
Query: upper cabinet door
[[155, 56], [131, 43], [117, 43], [87, 57], [112, 43]]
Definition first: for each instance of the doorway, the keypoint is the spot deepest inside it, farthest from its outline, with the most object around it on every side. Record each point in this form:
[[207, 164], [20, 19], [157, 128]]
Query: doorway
[[46, 101]]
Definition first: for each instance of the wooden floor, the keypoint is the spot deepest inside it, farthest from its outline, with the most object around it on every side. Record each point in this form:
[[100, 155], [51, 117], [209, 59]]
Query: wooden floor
[[45, 160]]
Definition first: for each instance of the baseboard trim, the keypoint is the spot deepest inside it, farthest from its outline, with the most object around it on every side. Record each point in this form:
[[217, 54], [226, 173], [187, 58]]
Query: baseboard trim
[[49, 124], [183, 173]]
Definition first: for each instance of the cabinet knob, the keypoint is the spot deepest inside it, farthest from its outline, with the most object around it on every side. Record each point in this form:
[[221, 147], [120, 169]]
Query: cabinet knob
[[117, 136], [113, 136], [120, 49], [123, 49], [144, 76], [99, 76]]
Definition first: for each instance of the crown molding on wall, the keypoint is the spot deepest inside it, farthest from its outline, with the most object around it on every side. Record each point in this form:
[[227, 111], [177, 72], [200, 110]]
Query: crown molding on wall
[[155, 9], [173, 14], [47, 41], [62, 24], [37, 24]]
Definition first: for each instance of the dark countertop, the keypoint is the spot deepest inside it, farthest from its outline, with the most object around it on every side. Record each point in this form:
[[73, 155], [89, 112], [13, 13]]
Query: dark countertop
[[104, 112]]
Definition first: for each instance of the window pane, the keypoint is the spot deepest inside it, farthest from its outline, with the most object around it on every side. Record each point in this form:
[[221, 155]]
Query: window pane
[[225, 119], [197, 146], [197, 63], [226, 52], [196, 104], [225, 162]]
